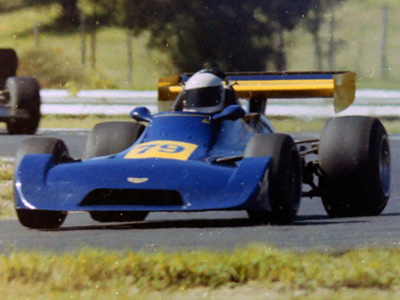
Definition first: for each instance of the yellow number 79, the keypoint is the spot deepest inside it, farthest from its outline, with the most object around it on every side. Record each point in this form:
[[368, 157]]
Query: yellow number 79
[[162, 149]]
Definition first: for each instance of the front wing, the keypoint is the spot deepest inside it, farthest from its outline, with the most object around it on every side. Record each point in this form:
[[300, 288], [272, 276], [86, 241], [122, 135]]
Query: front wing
[[137, 184]]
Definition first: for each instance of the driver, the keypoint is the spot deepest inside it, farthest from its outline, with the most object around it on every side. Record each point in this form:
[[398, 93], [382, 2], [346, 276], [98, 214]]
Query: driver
[[205, 92]]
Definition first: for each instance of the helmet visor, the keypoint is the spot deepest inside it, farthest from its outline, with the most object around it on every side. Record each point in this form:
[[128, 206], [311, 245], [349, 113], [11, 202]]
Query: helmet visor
[[204, 97]]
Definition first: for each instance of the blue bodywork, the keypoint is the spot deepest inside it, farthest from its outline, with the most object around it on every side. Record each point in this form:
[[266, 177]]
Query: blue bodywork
[[183, 161]]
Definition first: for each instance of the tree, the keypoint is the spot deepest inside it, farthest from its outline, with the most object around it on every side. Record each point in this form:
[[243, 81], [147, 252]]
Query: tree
[[314, 22], [96, 12], [69, 12], [231, 34], [107, 12]]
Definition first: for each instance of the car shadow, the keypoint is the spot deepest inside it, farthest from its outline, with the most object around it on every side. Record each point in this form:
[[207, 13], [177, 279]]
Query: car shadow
[[323, 220], [309, 220]]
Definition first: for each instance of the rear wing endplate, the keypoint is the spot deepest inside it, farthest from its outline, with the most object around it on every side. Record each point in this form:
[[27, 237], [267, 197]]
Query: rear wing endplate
[[257, 85]]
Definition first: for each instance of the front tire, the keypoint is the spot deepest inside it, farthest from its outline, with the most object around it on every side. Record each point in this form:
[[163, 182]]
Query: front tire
[[41, 219], [281, 186], [106, 139], [111, 137], [354, 160]]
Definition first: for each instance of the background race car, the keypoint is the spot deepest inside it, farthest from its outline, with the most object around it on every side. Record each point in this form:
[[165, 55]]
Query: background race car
[[19, 96]]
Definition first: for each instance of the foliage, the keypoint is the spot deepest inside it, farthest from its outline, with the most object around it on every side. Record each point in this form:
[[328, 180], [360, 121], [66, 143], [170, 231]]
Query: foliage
[[230, 34], [7, 5], [50, 65], [105, 12], [322, 11], [357, 23], [54, 69], [111, 68], [233, 35]]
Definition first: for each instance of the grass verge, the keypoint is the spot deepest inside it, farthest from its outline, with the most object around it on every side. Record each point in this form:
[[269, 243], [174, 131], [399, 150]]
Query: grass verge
[[294, 125], [6, 196], [281, 124], [79, 121], [125, 274]]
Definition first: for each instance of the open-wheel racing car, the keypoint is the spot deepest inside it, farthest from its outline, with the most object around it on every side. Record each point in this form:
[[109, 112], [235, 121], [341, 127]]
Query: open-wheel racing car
[[19, 96], [203, 151]]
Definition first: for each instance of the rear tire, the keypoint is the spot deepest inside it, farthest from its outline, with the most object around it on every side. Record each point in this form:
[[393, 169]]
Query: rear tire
[[118, 216], [24, 93], [111, 137], [281, 186], [354, 160], [41, 219]]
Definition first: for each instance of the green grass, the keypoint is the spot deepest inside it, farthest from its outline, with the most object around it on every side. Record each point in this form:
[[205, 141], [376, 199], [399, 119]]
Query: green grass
[[294, 125], [78, 121], [124, 274], [88, 121], [6, 195], [286, 124]]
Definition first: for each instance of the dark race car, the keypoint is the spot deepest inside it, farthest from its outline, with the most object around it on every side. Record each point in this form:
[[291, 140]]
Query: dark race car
[[19, 96]]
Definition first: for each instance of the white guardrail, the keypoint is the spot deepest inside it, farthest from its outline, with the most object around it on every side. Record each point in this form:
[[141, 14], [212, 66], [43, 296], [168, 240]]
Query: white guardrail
[[383, 103]]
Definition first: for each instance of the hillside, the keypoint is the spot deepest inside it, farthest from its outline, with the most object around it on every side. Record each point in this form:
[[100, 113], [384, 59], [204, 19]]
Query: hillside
[[56, 60]]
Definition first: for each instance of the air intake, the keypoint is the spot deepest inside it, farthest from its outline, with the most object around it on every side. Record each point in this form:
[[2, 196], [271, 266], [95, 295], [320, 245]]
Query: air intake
[[126, 197]]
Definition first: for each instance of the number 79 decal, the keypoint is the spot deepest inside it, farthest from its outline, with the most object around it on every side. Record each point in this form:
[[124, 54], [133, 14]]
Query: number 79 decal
[[162, 149]]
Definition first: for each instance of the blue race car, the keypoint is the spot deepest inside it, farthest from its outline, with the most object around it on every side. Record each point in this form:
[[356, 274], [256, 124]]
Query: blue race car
[[203, 151]]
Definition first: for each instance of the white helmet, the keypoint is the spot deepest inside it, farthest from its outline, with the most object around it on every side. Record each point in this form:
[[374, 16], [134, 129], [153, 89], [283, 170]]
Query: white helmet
[[204, 92]]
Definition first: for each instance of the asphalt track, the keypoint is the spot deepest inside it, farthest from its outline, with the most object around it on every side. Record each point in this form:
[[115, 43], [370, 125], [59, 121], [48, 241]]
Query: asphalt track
[[209, 230]]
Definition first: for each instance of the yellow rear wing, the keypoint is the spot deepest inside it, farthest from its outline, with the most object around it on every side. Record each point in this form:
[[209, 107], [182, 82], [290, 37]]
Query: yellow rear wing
[[341, 86]]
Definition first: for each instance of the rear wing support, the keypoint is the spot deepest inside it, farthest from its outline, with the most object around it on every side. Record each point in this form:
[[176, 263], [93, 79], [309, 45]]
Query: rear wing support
[[257, 87]]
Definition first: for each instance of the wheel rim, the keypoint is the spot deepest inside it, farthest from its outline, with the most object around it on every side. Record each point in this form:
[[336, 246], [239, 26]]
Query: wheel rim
[[384, 165]]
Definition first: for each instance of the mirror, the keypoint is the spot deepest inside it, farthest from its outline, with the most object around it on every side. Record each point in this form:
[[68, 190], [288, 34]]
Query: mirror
[[141, 114], [232, 112]]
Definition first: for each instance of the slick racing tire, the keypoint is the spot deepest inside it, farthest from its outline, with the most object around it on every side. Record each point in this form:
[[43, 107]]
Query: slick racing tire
[[354, 162], [118, 216], [24, 96], [280, 191], [106, 139], [111, 137], [41, 219]]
